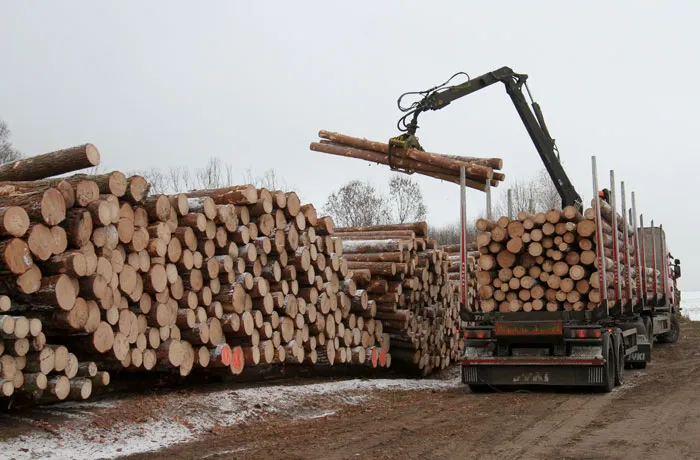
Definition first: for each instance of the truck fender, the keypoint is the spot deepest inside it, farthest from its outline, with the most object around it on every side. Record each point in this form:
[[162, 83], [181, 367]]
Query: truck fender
[[639, 326]]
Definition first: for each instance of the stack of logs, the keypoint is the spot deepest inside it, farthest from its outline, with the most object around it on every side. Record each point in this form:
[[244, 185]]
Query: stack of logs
[[479, 171], [102, 278], [547, 261], [407, 279]]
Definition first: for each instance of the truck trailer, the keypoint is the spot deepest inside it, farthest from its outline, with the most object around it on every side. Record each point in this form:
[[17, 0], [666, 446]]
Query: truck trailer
[[589, 348]]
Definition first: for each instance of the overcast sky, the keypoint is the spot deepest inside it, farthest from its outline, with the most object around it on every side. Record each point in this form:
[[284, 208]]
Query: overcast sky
[[164, 83]]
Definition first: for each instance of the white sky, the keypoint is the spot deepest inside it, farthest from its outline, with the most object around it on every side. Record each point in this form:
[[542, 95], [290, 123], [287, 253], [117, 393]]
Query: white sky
[[172, 83]]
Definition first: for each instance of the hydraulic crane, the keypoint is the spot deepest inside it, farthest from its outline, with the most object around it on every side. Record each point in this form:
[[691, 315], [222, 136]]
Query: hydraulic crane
[[441, 96]]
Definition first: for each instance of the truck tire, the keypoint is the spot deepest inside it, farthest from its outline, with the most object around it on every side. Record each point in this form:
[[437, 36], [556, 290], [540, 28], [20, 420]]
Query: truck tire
[[609, 371], [649, 326], [672, 335], [480, 388], [620, 364]]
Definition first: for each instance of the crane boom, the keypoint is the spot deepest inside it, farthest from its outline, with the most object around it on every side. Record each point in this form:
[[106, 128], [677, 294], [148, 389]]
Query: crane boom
[[532, 119]]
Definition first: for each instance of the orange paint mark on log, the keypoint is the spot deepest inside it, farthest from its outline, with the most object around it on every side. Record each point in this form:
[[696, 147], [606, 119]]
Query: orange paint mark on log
[[237, 358], [226, 355]]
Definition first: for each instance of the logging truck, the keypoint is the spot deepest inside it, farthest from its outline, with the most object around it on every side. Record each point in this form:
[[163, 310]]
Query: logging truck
[[608, 284], [589, 348]]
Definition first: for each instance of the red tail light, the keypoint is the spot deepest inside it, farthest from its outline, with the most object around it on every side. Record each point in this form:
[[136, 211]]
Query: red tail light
[[477, 334], [585, 333]]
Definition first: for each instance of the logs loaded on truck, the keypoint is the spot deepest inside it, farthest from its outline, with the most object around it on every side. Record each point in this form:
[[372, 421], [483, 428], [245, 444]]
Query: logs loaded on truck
[[569, 298], [102, 281]]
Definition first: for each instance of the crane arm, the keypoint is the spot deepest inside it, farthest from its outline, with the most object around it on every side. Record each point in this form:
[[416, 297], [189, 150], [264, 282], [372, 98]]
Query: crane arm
[[531, 118]]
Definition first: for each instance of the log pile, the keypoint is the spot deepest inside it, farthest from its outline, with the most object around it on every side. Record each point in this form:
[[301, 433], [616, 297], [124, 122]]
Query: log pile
[[42, 371], [479, 171], [548, 261], [114, 281], [407, 279]]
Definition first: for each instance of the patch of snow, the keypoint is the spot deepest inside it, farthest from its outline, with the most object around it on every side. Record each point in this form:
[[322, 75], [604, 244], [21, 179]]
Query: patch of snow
[[223, 452], [321, 415], [188, 416], [690, 304]]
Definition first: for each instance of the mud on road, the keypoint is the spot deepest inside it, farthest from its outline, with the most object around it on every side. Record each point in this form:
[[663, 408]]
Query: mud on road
[[656, 414]]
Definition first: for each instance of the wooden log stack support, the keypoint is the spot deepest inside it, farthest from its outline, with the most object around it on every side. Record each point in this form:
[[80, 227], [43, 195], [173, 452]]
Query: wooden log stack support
[[547, 261]]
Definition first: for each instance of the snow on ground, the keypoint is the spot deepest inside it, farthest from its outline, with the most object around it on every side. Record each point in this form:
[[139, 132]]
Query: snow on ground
[[183, 417], [690, 304]]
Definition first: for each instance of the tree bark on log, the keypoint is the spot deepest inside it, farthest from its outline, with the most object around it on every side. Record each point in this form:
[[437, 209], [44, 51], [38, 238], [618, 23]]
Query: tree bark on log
[[48, 206], [238, 195], [51, 164], [368, 155], [448, 162], [419, 228]]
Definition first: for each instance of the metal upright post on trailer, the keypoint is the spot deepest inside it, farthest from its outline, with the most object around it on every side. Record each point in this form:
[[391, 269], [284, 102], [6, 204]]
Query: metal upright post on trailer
[[664, 265], [489, 214], [638, 256], [644, 260], [599, 238], [653, 263], [615, 248], [464, 273], [626, 246]]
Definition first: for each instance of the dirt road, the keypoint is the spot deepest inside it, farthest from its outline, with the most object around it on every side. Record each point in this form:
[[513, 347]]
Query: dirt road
[[655, 415]]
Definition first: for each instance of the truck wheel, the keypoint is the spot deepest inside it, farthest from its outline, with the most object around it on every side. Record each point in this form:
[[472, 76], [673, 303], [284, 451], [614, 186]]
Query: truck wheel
[[609, 372], [672, 335], [649, 326], [620, 365]]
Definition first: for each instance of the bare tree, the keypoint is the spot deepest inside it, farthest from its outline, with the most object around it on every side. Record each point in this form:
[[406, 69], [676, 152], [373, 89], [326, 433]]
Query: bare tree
[[534, 195], [450, 233], [188, 182], [268, 179], [210, 176], [407, 199], [175, 179], [159, 182], [357, 204], [214, 174], [523, 198], [7, 152], [228, 170], [547, 196], [249, 177], [95, 170]]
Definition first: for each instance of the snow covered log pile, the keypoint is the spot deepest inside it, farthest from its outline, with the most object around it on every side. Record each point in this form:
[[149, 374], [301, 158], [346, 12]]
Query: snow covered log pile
[[407, 279]]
